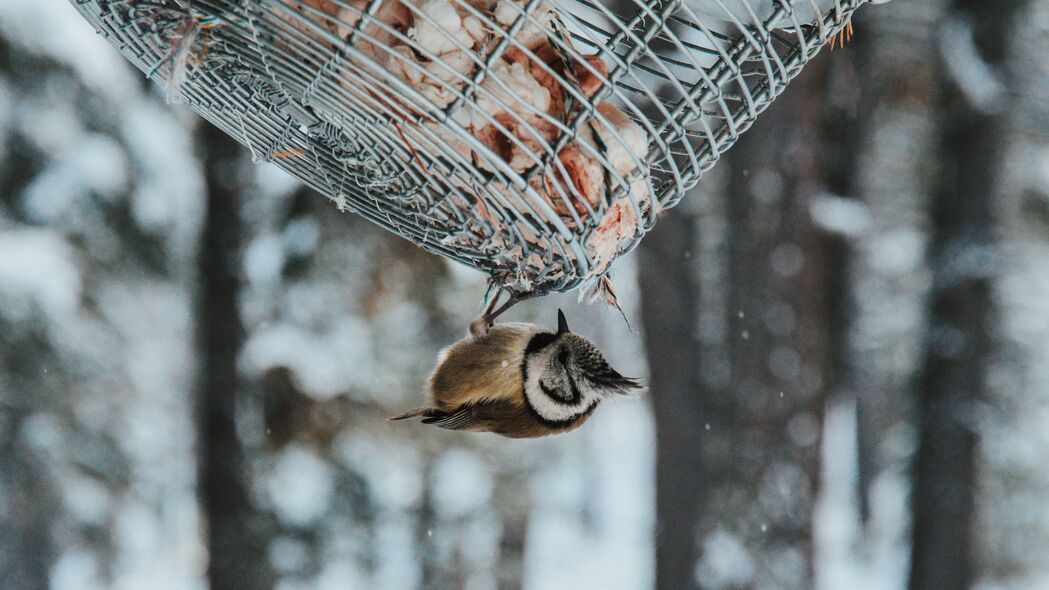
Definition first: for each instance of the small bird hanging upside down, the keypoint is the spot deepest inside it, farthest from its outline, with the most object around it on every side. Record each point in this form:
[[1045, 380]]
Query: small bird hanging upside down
[[520, 381]]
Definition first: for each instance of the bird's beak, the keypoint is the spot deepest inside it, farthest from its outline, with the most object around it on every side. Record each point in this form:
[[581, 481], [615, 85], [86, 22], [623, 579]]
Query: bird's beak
[[562, 323]]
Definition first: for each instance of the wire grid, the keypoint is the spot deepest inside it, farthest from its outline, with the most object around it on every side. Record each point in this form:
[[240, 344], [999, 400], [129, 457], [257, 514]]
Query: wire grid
[[352, 98]]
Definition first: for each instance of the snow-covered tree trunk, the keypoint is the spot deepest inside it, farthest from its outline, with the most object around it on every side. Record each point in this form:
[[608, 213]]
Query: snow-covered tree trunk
[[767, 420], [27, 502], [848, 101], [236, 534], [972, 112], [670, 312]]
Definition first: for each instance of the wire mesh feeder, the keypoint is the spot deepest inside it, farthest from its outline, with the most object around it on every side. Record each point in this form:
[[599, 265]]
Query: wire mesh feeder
[[533, 140]]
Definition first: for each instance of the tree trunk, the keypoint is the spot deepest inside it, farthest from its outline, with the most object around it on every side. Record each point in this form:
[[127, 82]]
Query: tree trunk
[[849, 100], [766, 423], [235, 535], [28, 509], [958, 344], [514, 508], [669, 309], [430, 564]]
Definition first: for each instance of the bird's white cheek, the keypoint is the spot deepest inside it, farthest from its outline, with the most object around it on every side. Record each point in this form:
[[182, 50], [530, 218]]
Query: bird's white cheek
[[552, 410]]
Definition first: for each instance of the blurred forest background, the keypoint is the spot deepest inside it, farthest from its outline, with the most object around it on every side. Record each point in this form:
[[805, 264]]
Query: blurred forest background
[[845, 330]]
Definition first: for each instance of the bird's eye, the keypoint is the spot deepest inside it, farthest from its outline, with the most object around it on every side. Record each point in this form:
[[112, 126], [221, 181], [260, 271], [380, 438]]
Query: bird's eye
[[562, 357]]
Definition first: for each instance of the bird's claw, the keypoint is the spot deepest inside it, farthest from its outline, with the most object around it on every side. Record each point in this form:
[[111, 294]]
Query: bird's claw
[[479, 328]]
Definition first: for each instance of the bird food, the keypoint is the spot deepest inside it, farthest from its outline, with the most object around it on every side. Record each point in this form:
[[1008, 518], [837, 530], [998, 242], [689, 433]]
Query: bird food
[[536, 140]]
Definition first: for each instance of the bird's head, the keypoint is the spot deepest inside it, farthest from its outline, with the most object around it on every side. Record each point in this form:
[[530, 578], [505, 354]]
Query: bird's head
[[565, 376]]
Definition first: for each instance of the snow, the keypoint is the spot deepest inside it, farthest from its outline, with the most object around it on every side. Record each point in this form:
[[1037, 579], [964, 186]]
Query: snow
[[395, 537], [623, 517], [87, 500], [463, 483], [847, 217], [897, 251], [91, 164], [849, 554], [300, 237], [76, 570], [37, 272], [287, 555], [837, 513], [51, 28], [338, 575], [726, 561], [300, 486], [393, 472], [274, 183], [316, 359], [54, 127], [167, 199], [609, 482], [975, 77], [264, 259]]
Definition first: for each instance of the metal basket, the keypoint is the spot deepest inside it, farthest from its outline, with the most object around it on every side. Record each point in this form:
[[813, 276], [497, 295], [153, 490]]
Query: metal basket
[[417, 115]]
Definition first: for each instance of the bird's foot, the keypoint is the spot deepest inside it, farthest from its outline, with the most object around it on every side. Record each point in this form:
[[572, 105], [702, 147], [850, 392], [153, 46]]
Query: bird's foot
[[479, 328]]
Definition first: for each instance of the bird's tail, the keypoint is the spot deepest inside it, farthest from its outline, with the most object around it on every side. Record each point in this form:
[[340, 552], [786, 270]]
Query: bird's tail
[[413, 414]]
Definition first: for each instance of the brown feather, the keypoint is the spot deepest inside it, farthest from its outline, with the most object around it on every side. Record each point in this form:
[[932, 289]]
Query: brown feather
[[474, 371], [413, 414], [504, 418], [485, 377], [516, 421]]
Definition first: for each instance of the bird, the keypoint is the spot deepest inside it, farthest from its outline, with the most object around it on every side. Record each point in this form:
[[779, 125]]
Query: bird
[[520, 380]]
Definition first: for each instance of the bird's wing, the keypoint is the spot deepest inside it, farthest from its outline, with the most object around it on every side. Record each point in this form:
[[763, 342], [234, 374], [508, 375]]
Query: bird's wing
[[458, 420], [515, 420], [413, 414], [481, 417], [500, 416]]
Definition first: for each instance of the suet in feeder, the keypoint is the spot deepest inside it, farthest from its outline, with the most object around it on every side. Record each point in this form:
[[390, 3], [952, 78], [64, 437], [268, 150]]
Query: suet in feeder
[[536, 140]]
